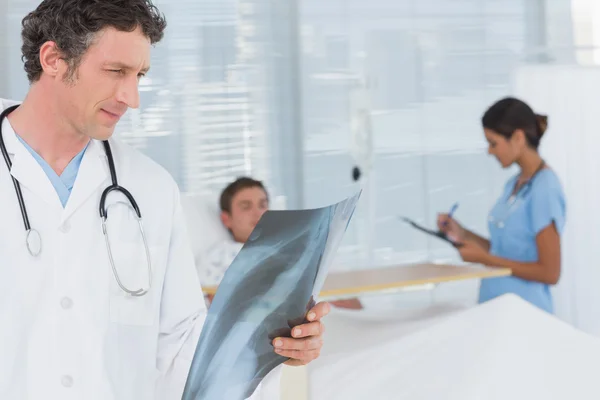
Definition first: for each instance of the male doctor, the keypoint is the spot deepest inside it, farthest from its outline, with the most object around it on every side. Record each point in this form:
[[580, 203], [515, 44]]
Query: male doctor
[[68, 330]]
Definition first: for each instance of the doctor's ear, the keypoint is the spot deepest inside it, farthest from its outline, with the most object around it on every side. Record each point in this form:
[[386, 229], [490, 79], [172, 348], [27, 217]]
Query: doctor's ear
[[51, 60]]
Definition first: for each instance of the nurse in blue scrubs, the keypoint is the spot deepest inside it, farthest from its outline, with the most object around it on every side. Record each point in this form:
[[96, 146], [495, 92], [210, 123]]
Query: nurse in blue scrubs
[[526, 222]]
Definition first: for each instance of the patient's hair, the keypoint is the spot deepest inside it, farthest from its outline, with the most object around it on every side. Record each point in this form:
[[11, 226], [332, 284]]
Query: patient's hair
[[235, 187], [509, 114]]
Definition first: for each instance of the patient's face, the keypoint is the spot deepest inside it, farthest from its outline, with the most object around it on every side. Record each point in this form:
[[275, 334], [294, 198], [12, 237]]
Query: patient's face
[[247, 206]]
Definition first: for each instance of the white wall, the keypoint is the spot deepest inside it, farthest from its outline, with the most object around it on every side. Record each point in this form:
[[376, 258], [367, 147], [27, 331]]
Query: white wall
[[570, 96]]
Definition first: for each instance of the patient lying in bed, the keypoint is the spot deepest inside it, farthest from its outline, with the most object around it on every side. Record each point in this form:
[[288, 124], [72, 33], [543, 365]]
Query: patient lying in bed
[[242, 204]]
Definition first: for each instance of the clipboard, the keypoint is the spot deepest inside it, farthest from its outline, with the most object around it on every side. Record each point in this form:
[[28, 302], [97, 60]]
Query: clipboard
[[439, 234]]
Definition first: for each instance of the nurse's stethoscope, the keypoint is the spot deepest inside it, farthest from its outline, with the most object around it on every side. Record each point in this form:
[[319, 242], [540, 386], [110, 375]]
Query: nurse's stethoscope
[[515, 195], [33, 238]]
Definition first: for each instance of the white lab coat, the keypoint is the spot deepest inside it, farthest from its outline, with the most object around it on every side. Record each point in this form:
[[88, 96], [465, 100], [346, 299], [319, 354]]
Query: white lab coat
[[66, 330]]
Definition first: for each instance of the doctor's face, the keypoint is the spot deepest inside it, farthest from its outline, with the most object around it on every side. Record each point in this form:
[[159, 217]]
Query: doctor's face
[[247, 207], [502, 148], [105, 84]]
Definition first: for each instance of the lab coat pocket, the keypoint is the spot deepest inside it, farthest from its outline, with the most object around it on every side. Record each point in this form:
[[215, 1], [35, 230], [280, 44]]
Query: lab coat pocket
[[131, 266]]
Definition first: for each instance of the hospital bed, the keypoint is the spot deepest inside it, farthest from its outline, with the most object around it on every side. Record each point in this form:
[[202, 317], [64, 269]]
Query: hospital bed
[[205, 230], [503, 349], [407, 349]]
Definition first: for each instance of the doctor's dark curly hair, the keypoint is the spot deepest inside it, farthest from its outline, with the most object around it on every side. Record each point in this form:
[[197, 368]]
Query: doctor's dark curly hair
[[73, 25]]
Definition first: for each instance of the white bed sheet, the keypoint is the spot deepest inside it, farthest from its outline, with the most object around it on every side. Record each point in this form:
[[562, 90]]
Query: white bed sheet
[[503, 349]]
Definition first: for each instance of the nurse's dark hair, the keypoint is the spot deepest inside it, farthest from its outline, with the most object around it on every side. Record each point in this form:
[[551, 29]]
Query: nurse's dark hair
[[509, 114], [244, 182], [73, 24]]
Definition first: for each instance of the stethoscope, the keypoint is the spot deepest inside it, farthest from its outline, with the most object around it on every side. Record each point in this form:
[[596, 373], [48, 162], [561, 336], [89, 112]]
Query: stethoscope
[[515, 195], [33, 238]]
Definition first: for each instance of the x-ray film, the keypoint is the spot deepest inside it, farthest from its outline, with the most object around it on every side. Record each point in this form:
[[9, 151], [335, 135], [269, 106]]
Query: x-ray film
[[268, 289]]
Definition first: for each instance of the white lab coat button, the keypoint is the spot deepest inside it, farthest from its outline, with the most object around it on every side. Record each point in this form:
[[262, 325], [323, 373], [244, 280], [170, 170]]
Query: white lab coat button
[[66, 227], [66, 303], [67, 381], [500, 225]]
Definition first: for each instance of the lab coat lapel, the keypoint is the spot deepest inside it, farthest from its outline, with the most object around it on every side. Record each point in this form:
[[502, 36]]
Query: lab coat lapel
[[93, 172], [28, 171]]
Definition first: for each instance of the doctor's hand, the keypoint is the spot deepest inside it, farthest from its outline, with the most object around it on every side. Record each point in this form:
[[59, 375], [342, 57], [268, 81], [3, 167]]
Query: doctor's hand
[[307, 339], [451, 228], [471, 251]]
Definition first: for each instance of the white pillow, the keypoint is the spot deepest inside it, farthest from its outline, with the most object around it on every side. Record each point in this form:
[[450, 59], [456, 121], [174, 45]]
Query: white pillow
[[205, 229], [203, 219]]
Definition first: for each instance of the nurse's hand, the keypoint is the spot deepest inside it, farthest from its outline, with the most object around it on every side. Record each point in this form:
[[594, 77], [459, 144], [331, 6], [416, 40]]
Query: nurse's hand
[[307, 340], [471, 251], [451, 228]]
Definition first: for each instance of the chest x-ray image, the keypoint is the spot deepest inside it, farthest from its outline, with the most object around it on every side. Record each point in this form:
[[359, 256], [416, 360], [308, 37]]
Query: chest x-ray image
[[267, 290]]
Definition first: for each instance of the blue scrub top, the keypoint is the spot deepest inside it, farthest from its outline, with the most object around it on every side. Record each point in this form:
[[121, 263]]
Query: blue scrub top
[[63, 184], [514, 226]]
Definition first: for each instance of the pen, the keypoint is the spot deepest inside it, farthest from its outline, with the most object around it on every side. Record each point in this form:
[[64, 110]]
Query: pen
[[452, 211]]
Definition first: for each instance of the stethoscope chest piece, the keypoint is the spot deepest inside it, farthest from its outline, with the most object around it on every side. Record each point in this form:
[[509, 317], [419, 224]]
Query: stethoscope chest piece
[[33, 240]]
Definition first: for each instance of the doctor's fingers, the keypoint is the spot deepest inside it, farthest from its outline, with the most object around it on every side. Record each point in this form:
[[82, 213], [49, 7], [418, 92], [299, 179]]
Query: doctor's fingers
[[303, 345], [306, 330], [297, 357], [318, 311]]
